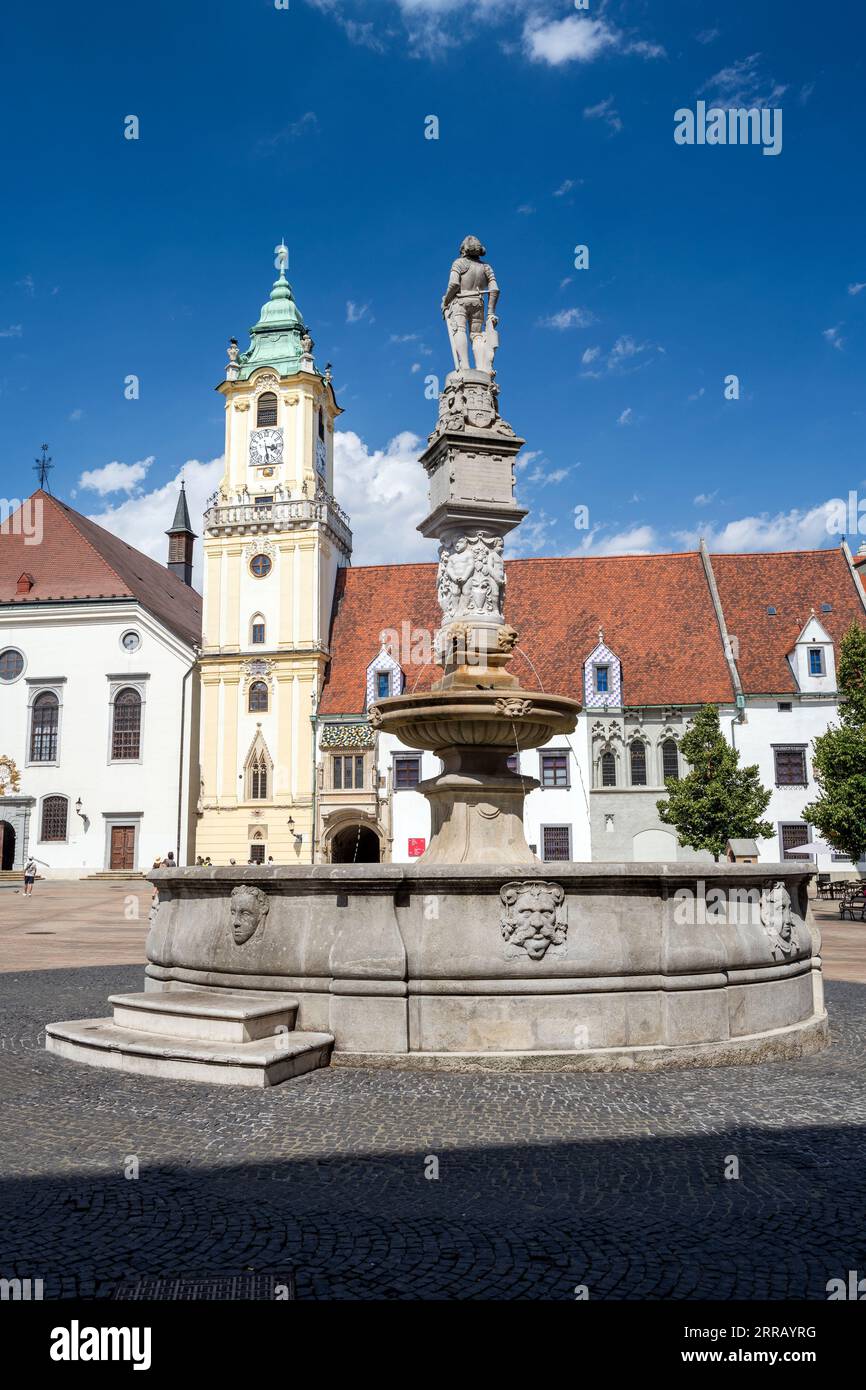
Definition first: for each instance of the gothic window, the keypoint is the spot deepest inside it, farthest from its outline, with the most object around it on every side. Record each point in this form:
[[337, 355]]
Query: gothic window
[[637, 756], [258, 699], [126, 726], [258, 776], [670, 759], [257, 631], [608, 769], [54, 816], [266, 412], [44, 721]]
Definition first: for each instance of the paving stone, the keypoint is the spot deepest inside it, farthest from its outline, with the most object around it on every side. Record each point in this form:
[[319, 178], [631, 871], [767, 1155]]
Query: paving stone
[[545, 1182]]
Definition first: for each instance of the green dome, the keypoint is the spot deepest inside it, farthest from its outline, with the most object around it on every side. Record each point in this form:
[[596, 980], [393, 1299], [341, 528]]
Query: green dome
[[276, 338]]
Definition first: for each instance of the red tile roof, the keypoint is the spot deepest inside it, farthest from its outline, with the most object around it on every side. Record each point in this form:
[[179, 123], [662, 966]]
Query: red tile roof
[[792, 582], [76, 559], [656, 611]]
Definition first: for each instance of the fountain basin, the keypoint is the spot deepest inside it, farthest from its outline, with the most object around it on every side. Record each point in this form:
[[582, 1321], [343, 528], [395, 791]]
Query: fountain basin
[[441, 720], [588, 966]]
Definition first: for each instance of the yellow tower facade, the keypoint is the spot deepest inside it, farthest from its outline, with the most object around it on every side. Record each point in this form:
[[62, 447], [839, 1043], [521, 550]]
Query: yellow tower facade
[[274, 539]]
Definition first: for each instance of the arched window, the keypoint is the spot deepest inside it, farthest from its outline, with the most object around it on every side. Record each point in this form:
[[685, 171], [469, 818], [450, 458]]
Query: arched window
[[54, 815], [638, 764], [258, 777], [258, 703], [266, 411], [44, 722], [670, 759], [608, 769], [257, 631], [126, 726]]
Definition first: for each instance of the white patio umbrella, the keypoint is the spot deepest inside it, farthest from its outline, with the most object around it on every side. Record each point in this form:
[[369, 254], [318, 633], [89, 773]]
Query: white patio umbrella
[[808, 851]]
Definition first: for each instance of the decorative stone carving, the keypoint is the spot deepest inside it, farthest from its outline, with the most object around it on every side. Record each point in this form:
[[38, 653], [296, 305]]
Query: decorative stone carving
[[471, 580], [233, 353], [249, 909], [506, 637], [375, 716], [513, 709], [260, 547], [776, 918], [266, 382], [534, 919]]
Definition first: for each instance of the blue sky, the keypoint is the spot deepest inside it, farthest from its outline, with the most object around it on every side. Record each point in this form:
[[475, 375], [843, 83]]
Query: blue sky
[[555, 129]]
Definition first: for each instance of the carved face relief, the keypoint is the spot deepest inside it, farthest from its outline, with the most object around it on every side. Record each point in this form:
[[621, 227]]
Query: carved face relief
[[776, 917], [534, 919], [249, 909]]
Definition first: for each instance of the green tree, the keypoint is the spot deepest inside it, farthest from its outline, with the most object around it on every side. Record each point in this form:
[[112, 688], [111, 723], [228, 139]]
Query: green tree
[[717, 800], [840, 757]]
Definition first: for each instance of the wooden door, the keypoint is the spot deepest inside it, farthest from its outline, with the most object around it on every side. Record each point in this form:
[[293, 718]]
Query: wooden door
[[122, 847]]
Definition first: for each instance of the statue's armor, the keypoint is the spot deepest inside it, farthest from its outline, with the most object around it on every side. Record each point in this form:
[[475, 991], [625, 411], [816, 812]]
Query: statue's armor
[[466, 276]]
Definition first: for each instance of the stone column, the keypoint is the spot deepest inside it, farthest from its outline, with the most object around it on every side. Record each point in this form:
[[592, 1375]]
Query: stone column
[[469, 462]]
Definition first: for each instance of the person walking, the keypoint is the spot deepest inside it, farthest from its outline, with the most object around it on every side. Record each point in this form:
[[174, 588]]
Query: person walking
[[30, 875]]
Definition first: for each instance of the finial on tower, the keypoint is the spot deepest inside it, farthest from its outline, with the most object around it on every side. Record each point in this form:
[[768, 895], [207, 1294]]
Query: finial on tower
[[281, 258]]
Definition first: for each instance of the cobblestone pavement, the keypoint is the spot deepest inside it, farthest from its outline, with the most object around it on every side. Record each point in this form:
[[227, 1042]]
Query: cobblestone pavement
[[545, 1182]]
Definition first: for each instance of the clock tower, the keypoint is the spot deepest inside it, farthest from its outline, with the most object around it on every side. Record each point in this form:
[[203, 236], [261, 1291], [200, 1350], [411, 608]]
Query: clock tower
[[274, 539]]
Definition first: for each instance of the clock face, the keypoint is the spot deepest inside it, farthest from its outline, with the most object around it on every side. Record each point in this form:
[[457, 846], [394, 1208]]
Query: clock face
[[266, 447]]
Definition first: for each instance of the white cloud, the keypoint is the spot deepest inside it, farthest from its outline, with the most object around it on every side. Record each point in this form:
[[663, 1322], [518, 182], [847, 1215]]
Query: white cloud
[[857, 287], [833, 338], [704, 499], [578, 39], [385, 493], [627, 417], [115, 477], [626, 356], [566, 186], [142, 520], [526, 209], [696, 395], [526, 457], [797, 529], [355, 312], [75, 415], [27, 284], [707, 35], [742, 84], [604, 111], [13, 331], [568, 318], [637, 540]]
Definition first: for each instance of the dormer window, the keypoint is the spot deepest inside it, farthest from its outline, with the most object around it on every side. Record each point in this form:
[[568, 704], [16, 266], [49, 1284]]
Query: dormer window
[[816, 661], [383, 685], [602, 679], [384, 677], [266, 410]]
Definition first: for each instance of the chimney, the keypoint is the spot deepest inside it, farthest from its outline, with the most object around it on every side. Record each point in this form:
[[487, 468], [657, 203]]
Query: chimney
[[181, 540], [25, 584]]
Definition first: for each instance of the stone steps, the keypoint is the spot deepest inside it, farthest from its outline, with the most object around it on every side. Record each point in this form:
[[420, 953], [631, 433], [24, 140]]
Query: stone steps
[[113, 875], [196, 1035]]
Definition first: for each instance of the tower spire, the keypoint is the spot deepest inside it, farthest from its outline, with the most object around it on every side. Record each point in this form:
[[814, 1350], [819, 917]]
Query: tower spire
[[181, 539]]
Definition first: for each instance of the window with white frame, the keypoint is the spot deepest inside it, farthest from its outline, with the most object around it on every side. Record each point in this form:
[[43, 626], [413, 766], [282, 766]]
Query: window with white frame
[[816, 661]]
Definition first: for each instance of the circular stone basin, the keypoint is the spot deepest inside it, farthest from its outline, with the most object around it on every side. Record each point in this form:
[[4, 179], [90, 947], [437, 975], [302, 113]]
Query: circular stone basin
[[460, 718]]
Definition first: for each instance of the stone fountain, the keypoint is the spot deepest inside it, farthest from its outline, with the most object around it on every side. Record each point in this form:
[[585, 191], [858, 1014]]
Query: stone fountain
[[476, 955]]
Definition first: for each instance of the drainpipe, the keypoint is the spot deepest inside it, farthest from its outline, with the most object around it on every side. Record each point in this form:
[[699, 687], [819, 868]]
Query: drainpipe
[[186, 676], [314, 722]]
